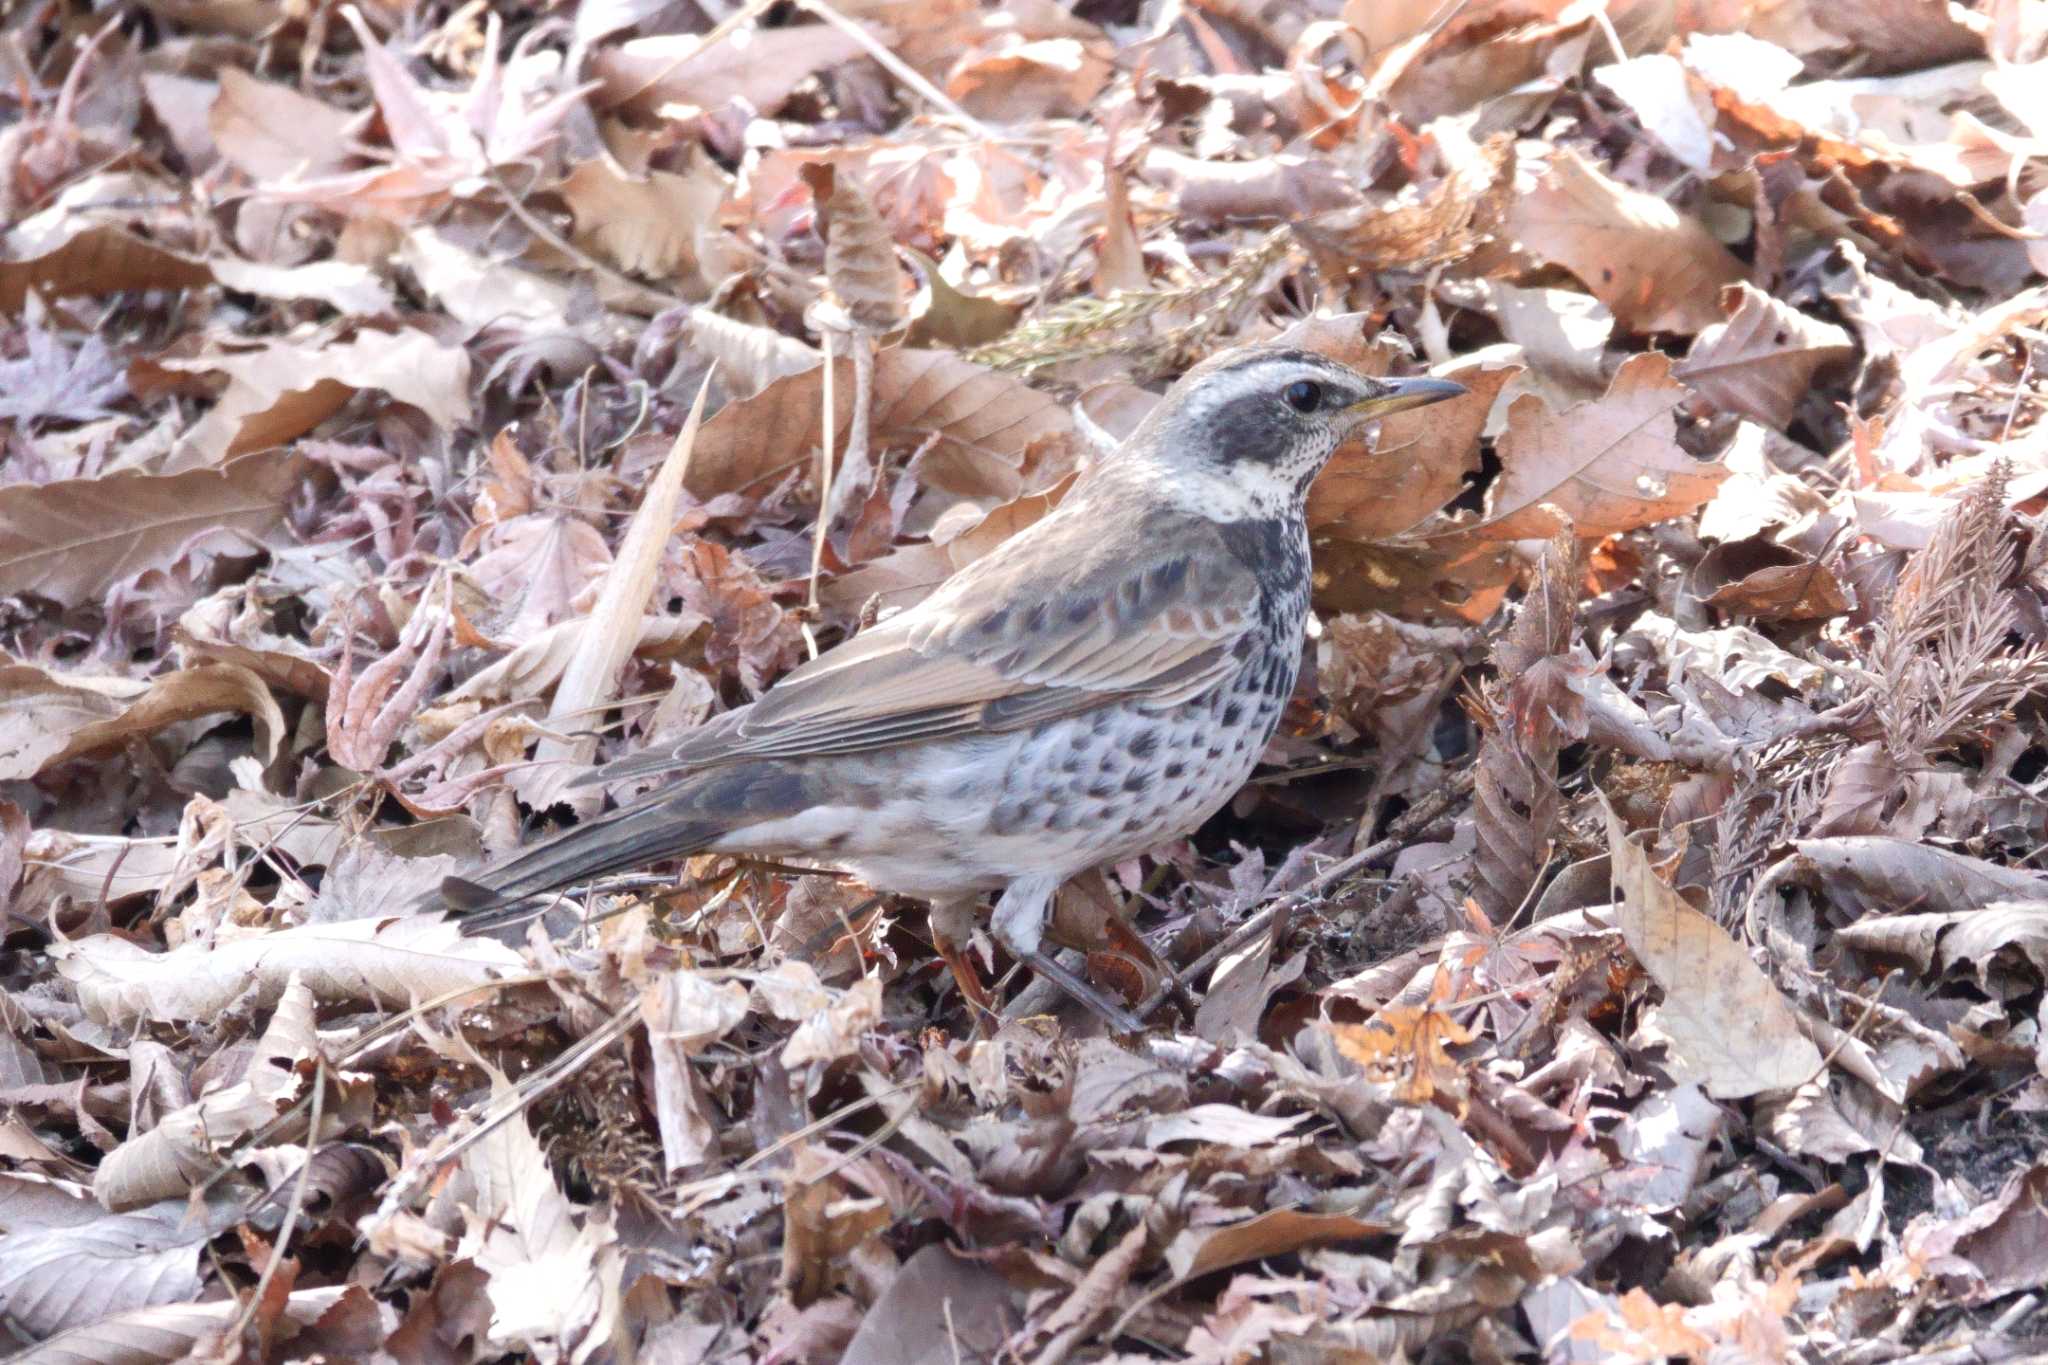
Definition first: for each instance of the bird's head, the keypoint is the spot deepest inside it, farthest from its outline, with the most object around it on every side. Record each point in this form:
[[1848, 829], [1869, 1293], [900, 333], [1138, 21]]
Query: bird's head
[[1245, 433]]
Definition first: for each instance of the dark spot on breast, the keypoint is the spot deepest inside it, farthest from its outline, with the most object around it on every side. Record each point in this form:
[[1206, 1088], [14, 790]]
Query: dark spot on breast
[[1144, 744], [1101, 791], [1215, 751], [1079, 610], [1133, 825], [1173, 771], [1233, 714], [838, 841], [1187, 794], [1137, 782]]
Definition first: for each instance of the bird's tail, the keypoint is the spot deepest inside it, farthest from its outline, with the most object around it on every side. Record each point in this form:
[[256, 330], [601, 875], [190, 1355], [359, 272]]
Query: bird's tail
[[671, 823]]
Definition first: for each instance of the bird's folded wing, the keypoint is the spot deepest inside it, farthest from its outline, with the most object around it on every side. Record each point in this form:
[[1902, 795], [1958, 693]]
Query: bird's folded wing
[[1054, 625]]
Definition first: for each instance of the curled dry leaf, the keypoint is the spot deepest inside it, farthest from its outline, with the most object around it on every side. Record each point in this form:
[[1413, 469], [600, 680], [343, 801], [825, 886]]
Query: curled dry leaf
[[76, 539], [1610, 464], [185, 1145], [94, 261], [1440, 225], [1728, 1026], [749, 358], [50, 718], [365, 961], [171, 1332], [860, 257], [1531, 712], [1658, 270]]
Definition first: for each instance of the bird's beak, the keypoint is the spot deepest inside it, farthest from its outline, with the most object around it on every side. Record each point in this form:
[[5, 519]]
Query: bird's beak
[[1399, 395]]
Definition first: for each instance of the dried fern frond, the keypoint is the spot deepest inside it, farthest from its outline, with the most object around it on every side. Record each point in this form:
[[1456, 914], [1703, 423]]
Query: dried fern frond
[[1943, 661], [1160, 329]]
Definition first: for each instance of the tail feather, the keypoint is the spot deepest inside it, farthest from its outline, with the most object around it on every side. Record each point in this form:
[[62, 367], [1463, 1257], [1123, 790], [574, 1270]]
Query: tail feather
[[686, 818], [618, 841]]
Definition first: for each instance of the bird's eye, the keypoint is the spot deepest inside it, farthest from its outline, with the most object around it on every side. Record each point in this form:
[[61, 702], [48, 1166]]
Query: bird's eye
[[1303, 395]]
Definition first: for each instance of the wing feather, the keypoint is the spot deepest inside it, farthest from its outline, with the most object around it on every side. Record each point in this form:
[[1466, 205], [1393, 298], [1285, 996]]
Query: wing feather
[[1055, 623]]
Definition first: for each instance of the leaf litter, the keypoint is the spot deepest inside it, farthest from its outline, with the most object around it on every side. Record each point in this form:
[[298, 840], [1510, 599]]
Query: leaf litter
[[1632, 948]]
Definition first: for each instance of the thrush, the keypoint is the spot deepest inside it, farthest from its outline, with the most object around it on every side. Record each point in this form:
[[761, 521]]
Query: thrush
[[1099, 684]]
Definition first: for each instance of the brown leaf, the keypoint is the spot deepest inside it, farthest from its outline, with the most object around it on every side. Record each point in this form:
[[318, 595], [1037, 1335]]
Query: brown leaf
[[860, 256], [1727, 1025], [1658, 270], [940, 1306], [1770, 582], [951, 317], [74, 540], [1610, 464], [1415, 466], [96, 261], [272, 132], [978, 420], [750, 633], [279, 390], [1011, 81], [1442, 224], [649, 226], [1408, 1046], [1277, 1232], [1761, 361], [187, 694]]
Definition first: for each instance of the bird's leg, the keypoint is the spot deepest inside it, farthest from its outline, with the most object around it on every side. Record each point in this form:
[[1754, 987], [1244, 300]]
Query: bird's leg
[[952, 925], [1020, 927]]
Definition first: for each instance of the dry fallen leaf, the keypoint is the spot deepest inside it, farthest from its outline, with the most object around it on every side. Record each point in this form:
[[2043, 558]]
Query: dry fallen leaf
[[1727, 1025], [1658, 270], [1762, 360], [1610, 464], [980, 425], [76, 539]]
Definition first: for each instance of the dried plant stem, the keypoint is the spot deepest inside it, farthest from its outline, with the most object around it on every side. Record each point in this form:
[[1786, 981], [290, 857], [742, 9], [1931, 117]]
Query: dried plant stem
[[292, 1210], [827, 438], [855, 468]]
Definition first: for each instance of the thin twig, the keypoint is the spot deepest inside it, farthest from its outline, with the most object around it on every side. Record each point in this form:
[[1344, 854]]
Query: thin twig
[[295, 1208], [829, 436], [854, 467], [1425, 811]]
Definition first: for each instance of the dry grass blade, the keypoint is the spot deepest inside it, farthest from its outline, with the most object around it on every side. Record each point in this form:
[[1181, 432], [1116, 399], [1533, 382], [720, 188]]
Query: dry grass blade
[[614, 627]]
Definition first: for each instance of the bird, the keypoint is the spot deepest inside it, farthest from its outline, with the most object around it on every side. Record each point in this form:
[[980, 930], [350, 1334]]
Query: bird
[[1099, 684]]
